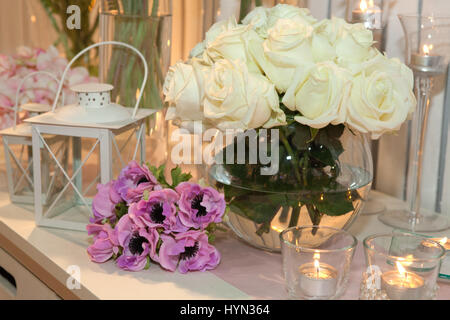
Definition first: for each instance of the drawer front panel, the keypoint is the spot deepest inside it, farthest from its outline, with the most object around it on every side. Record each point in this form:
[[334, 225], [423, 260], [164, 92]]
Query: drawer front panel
[[16, 282]]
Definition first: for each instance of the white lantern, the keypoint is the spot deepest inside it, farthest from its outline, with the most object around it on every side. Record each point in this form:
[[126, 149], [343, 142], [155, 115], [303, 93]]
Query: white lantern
[[18, 153], [104, 138]]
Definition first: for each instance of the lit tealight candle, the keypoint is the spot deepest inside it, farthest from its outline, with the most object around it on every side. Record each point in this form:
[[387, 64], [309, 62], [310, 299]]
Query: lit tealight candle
[[444, 242], [402, 285], [426, 61], [318, 279]]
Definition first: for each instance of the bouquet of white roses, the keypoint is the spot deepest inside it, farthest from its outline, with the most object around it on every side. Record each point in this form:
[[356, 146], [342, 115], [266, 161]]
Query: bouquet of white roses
[[282, 62], [310, 79]]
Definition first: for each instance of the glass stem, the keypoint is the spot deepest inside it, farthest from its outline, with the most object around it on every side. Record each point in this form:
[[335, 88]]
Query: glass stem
[[420, 119]]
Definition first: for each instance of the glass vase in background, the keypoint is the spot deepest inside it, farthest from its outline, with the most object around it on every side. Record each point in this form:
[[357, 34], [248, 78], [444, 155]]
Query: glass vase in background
[[146, 25]]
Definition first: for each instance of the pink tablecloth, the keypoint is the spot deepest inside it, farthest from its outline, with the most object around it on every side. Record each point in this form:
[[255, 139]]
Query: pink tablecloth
[[259, 273]]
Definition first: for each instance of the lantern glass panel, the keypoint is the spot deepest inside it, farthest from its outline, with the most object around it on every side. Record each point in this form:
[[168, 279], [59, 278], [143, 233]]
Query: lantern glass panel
[[76, 184], [124, 146], [19, 167]]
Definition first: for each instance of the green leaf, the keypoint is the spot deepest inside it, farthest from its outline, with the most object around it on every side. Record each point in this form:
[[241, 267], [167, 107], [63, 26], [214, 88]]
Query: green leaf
[[323, 154], [301, 137], [211, 238], [331, 142], [335, 204], [159, 174], [147, 265], [314, 133], [335, 131], [121, 209], [314, 214], [179, 177]]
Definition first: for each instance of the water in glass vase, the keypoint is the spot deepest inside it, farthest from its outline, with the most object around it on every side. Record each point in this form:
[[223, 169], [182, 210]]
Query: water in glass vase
[[323, 183]]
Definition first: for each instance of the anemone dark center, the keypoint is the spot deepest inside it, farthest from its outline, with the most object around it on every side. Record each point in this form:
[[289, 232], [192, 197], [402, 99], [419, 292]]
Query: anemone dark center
[[135, 245], [157, 213], [196, 204], [142, 180], [189, 252]]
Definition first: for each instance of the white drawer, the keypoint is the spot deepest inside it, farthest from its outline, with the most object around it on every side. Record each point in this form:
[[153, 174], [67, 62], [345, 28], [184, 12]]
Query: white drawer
[[19, 283]]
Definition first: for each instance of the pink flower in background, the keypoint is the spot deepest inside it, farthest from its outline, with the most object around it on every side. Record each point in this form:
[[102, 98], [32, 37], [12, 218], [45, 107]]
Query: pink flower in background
[[39, 88], [51, 61], [7, 65]]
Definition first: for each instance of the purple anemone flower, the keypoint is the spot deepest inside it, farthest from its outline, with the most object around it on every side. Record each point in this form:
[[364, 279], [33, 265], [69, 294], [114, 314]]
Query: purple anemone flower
[[138, 244], [199, 206], [158, 211], [105, 242], [190, 250], [104, 202], [133, 180]]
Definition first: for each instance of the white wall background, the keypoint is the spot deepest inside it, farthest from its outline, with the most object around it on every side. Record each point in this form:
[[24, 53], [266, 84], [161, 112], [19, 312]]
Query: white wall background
[[17, 27]]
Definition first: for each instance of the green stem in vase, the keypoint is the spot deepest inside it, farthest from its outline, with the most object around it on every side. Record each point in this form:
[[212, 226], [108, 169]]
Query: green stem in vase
[[291, 154], [295, 216]]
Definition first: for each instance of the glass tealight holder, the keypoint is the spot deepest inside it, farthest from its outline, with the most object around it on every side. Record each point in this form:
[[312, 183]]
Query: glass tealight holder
[[316, 261], [401, 266]]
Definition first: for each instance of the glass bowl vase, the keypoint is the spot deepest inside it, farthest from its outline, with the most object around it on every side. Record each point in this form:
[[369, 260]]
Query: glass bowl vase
[[321, 180]]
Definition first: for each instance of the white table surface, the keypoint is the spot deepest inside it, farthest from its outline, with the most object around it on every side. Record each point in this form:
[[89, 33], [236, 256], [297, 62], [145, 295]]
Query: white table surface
[[56, 250]]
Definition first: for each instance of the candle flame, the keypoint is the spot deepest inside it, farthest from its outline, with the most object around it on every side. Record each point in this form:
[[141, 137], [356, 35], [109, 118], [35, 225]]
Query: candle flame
[[400, 268], [427, 49], [317, 267], [363, 6], [316, 256], [443, 241]]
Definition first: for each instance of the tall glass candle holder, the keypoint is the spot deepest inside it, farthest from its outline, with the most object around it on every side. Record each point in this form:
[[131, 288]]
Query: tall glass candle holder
[[371, 13], [316, 261], [400, 266], [427, 53]]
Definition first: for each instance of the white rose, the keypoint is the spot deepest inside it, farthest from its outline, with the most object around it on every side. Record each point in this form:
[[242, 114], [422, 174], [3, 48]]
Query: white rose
[[285, 11], [286, 48], [320, 94], [232, 44], [381, 98], [324, 37], [238, 99], [183, 90], [354, 45], [197, 51], [211, 35], [258, 19]]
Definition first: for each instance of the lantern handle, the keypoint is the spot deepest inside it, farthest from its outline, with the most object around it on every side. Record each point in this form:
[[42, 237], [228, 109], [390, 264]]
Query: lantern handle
[[101, 44], [22, 82]]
